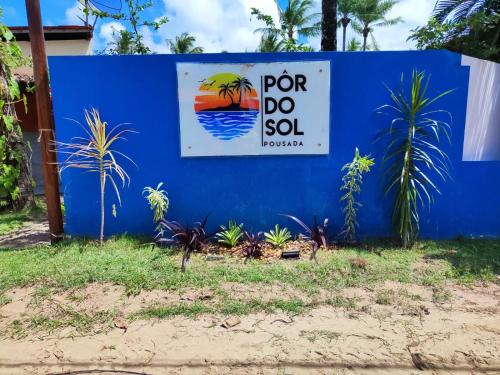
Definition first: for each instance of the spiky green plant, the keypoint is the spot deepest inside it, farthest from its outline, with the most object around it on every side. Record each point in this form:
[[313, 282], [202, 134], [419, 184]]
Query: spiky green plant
[[230, 236], [158, 202], [413, 158], [94, 152], [278, 237], [352, 181]]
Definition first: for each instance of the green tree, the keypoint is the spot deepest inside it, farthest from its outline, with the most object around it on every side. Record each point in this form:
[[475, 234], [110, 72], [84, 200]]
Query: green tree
[[184, 44], [346, 9], [296, 18], [458, 10], [371, 14], [133, 17], [471, 31], [270, 43], [274, 36], [16, 182]]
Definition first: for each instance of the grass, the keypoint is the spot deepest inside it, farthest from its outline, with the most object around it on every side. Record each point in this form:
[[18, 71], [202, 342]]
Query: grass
[[11, 221], [225, 307], [126, 261]]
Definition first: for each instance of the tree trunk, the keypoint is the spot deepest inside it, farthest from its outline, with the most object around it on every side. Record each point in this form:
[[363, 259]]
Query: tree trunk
[[102, 176], [345, 22], [329, 25], [366, 31]]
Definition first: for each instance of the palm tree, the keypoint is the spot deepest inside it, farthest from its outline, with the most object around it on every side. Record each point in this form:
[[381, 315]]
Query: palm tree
[[296, 18], [270, 43], [184, 44], [240, 85], [346, 9], [371, 14], [225, 89], [329, 25], [456, 10], [355, 45]]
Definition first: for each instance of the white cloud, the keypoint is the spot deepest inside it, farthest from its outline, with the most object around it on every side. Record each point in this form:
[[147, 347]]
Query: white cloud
[[108, 29], [217, 25], [414, 13], [73, 13]]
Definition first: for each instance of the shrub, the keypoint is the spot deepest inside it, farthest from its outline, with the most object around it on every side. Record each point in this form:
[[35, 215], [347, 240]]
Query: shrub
[[191, 239], [278, 237], [230, 236], [352, 181], [413, 158], [316, 234], [158, 202], [253, 245], [94, 153]]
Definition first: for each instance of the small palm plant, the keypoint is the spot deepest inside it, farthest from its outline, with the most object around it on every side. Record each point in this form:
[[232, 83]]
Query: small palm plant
[[352, 181], [158, 202], [278, 237], [413, 157], [230, 236], [94, 153]]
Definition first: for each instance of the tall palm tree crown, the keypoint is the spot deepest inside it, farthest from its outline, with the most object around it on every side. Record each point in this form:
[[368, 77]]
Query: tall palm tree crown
[[296, 18], [371, 14], [184, 44], [346, 9], [456, 10]]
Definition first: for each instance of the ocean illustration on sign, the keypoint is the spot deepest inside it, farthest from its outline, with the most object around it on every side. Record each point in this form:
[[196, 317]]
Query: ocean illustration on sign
[[227, 106]]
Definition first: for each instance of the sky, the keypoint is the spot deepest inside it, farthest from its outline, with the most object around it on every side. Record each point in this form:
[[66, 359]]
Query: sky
[[218, 25]]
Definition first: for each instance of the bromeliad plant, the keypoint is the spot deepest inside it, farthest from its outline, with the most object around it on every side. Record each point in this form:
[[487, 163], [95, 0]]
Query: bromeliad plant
[[95, 152], [352, 182], [278, 237], [158, 202], [413, 157], [191, 239], [316, 234], [230, 236], [253, 245]]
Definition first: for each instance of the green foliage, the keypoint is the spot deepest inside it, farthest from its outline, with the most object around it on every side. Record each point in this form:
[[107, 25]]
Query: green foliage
[[294, 19], [413, 158], [230, 236], [371, 14], [158, 202], [95, 153], [476, 35], [352, 182], [184, 44], [129, 42], [12, 148], [278, 237]]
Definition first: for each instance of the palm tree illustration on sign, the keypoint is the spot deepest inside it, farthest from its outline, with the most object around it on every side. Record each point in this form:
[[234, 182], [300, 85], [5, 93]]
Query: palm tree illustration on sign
[[228, 107]]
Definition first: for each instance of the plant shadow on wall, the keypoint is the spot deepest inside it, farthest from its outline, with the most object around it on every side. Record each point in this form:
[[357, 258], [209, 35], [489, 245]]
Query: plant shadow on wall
[[95, 152], [413, 159]]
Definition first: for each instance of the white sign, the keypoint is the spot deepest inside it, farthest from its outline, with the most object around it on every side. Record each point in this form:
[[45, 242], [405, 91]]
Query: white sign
[[279, 108]]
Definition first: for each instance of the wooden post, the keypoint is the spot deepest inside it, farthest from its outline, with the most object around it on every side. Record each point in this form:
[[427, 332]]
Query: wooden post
[[45, 119]]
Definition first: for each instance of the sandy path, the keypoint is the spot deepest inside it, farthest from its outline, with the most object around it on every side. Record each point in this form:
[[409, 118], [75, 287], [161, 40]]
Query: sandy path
[[459, 337]]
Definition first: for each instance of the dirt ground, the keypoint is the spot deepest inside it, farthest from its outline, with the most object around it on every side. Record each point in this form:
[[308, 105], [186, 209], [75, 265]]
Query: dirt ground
[[393, 329]]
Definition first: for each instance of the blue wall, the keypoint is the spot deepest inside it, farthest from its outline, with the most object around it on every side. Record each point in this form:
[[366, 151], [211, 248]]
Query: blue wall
[[142, 90]]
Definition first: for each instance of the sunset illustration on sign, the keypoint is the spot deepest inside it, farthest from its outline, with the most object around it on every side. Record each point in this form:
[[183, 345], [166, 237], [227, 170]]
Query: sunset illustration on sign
[[227, 105]]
